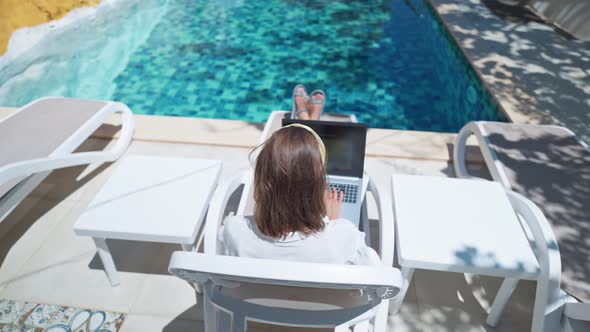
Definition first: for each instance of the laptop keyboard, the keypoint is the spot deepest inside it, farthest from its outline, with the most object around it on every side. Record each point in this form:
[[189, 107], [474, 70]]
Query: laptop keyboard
[[350, 191]]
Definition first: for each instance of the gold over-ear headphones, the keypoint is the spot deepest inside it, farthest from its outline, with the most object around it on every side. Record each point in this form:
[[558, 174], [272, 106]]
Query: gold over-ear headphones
[[317, 137]]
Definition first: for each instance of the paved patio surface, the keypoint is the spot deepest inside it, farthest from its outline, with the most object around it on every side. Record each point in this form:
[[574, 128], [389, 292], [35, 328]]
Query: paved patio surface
[[537, 73], [43, 261]]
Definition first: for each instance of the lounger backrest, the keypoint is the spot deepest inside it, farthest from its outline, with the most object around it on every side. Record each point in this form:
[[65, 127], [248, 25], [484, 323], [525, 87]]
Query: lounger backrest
[[273, 124], [40, 128], [548, 165]]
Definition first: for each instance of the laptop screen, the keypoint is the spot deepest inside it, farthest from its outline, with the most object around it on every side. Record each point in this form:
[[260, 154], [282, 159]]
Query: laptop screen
[[345, 145]]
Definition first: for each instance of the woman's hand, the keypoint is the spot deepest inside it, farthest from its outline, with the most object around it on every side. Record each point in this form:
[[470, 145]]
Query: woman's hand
[[333, 201]]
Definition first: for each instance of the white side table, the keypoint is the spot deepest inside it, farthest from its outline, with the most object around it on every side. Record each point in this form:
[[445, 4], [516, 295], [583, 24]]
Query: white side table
[[150, 198], [456, 225]]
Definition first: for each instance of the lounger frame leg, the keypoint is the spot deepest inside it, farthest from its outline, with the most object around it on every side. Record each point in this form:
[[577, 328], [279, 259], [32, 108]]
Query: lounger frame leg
[[380, 319], [508, 286], [210, 313], [396, 303], [224, 320], [238, 323], [361, 327], [18, 194], [187, 247], [107, 260]]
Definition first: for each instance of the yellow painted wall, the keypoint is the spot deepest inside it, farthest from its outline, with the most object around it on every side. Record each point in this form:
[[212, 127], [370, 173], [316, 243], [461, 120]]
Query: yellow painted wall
[[15, 14]]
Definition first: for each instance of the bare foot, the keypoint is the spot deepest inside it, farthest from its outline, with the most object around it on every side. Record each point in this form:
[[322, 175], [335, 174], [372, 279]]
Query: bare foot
[[316, 105], [301, 103]]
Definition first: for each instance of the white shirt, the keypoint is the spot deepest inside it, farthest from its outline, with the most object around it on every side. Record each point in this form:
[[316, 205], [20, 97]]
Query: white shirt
[[340, 243]]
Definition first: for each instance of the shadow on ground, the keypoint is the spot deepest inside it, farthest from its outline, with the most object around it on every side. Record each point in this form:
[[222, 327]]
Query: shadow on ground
[[62, 184], [527, 64], [556, 176]]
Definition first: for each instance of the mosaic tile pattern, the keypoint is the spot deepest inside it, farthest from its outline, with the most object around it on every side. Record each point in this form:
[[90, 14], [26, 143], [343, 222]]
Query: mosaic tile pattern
[[389, 62], [25, 316]]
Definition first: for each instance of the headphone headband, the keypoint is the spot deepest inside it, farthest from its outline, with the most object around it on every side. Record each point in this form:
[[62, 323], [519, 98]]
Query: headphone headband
[[315, 135]]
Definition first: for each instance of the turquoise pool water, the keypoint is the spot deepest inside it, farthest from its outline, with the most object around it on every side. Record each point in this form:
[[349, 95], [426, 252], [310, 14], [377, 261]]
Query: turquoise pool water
[[389, 62]]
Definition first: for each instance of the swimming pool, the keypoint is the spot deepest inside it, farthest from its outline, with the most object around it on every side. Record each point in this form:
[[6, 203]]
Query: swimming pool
[[389, 62]]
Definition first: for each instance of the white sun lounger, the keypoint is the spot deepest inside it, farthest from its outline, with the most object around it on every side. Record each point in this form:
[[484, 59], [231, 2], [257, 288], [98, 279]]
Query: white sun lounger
[[551, 167], [42, 136]]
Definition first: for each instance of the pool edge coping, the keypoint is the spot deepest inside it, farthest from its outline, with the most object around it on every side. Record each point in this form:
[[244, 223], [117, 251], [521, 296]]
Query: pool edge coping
[[511, 113], [381, 143]]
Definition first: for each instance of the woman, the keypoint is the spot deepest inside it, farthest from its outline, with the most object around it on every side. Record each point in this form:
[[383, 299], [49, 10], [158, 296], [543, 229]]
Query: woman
[[295, 217]]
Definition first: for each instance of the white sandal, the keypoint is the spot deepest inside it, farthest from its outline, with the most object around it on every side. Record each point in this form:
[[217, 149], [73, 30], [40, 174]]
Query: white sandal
[[295, 112]]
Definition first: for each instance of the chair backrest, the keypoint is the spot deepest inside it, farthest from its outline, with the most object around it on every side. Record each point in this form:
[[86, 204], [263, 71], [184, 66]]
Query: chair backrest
[[378, 282], [273, 124]]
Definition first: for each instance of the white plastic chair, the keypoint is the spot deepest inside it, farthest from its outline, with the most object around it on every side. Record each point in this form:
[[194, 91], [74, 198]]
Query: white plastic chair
[[360, 293], [346, 276]]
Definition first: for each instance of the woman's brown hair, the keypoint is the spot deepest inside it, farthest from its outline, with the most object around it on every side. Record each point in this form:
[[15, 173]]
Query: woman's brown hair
[[290, 183]]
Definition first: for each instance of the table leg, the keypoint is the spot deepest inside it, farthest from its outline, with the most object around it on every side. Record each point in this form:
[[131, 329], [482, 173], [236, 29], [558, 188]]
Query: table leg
[[500, 301], [107, 260], [396, 304]]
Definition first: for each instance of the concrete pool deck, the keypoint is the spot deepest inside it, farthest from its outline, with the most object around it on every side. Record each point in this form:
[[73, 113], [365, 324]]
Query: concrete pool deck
[[43, 261], [536, 73], [390, 143]]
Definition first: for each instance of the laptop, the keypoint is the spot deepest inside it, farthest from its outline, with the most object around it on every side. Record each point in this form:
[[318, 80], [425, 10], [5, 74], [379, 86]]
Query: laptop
[[345, 153]]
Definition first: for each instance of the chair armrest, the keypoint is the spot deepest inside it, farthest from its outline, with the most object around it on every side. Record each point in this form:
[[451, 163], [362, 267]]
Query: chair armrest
[[32, 166], [380, 281], [215, 213], [387, 227]]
